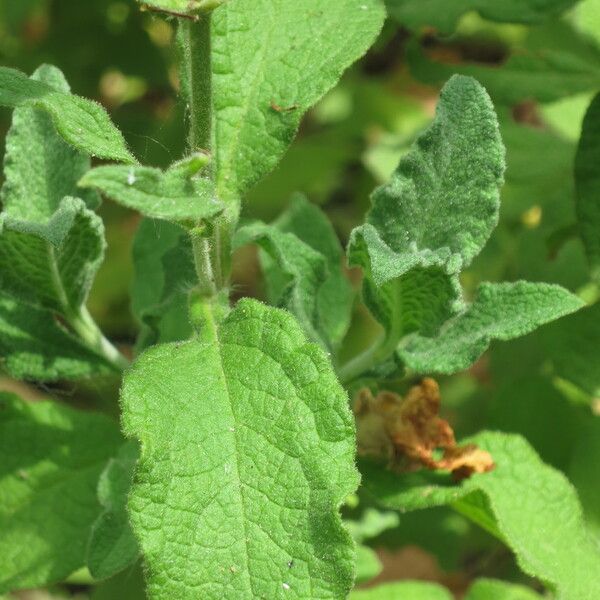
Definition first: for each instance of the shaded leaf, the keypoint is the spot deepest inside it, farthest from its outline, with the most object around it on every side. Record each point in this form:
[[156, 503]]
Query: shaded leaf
[[112, 546], [444, 16], [50, 459], [34, 346], [164, 274]]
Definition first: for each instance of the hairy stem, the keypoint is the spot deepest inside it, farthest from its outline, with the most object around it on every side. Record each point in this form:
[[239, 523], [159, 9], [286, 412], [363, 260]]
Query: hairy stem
[[85, 327]]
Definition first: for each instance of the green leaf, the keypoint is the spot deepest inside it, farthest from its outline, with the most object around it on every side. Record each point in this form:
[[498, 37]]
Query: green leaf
[[112, 546], [587, 183], [335, 296], [529, 505], [572, 347], [444, 15], [247, 453], [442, 203], [368, 565], [405, 590], [489, 589], [82, 123], [173, 195], [52, 265], [272, 61], [554, 63], [40, 168], [433, 217], [500, 311], [303, 270], [50, 459], [164, 274], [35, 346]]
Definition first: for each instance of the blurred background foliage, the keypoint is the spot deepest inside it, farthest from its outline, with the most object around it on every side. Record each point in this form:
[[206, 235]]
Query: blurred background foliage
[[541, 75]]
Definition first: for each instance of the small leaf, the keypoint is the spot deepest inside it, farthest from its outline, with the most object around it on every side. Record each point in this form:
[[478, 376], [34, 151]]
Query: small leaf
[[50, 459], [529, 505], [368, 565], [262, 80], [173, 195], [40, 168], [405, 590], [52, 265], [112, 546], [499, 312], [247, 453], [335, 297], [164, 274], [444, 16], [181, 8], [82, 123], [34, 346], [587, 183], [302, 261]]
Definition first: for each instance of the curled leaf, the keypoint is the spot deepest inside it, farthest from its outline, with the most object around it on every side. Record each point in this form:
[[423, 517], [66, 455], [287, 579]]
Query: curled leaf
[[409, 431]]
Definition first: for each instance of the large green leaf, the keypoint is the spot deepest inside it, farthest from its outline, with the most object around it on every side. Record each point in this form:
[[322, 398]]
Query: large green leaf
[[587, 181], [272, 60], [52, 265], [40, 169], [500, 311], [112, 546], [164, 274], [444, 15], [302, 262], [177, 194], [247, 451], [50, 460], [81, 122], [35, 346], [529, 505]]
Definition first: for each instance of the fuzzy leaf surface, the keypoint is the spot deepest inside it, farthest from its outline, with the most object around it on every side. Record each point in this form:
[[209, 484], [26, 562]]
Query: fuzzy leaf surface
[[82, 123], [50, 459], [40, 168], [501, 311], [530, 506], [335, 296], [587, 184], [172, 195], [164, 274], [444, 16], [247, 451], [52, 265], [442, 203], [272, 61], [34, 346], [112, 546]]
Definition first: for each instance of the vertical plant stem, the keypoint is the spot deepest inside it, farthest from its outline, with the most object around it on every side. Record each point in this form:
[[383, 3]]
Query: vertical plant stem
[[211, 252]]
